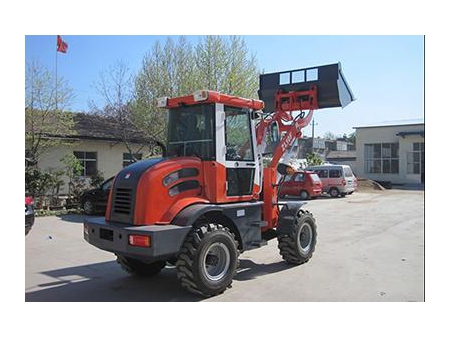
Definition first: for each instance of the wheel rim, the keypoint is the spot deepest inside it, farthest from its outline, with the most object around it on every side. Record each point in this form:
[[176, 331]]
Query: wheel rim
[[304, 195], [216, 262], [88, 207], [334, 192], [304, 239]]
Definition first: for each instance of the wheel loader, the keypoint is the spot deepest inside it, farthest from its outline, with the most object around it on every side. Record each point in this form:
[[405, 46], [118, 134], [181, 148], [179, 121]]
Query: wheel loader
[[212, 197]]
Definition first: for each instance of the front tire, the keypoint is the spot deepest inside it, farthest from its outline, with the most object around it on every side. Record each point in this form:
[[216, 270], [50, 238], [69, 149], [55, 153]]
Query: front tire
[[140, 268], [208, 260], [298, 246]]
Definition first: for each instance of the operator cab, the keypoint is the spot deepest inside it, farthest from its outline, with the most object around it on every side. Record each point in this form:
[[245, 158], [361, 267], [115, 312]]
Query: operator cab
[[220, 130]]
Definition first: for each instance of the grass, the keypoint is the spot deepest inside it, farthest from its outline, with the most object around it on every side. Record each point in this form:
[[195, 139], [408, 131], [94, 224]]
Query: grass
[[41, 213]]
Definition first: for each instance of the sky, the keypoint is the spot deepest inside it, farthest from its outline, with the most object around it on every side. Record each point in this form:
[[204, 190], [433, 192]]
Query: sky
[[384, 72]]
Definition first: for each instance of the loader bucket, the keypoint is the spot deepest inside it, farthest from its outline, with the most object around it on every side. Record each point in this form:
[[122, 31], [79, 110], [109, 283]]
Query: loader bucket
[[332, 89]]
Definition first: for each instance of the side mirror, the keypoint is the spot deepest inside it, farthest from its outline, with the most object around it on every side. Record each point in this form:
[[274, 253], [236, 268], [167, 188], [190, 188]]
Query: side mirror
[[284, 169], [254, 115]]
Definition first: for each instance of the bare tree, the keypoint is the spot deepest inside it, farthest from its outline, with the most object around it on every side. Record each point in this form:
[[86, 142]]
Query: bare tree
[[115, 85], [47, 120]]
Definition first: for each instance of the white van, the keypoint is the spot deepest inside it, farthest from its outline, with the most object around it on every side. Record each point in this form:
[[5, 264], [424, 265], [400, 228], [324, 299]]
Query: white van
[[337, 179]]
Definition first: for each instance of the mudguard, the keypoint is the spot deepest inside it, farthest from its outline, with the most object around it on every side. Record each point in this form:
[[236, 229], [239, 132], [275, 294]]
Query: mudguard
[[287, 216]]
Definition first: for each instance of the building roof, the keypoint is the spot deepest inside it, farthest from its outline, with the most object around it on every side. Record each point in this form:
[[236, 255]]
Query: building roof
[[341, 155], [420, 122], [89, 126], [98, 127]]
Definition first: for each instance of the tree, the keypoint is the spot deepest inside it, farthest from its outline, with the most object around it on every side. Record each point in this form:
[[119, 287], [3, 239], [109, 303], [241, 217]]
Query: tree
[[313, 159], [241, 72], [46, 115], [211, 61], [115, 85], [329, 136], [178, 68], [352, 138], [73, 169], [166, 71]]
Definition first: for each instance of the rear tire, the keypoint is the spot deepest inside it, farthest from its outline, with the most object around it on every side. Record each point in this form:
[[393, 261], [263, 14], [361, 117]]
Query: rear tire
[[298, 247], [208, 260], [334, 192], [140, 268], [304, 195]]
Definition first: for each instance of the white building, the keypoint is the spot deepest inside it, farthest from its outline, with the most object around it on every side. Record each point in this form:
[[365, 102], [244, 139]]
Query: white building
[[394, 153], [98, 146]]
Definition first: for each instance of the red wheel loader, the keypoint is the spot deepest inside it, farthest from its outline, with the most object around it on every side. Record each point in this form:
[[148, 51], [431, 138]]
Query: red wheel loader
[[211, 198]]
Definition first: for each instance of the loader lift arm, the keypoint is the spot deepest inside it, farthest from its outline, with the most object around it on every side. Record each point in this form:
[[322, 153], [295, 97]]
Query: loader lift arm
[[283, 93], [291, 129], [290, 126]]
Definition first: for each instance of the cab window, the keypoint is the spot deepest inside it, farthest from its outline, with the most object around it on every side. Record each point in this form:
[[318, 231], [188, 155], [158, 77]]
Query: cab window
[[191, 131], [238, 135]]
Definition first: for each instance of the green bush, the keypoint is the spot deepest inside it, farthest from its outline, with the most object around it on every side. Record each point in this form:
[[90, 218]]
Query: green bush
[[40, 183], [313, 159]]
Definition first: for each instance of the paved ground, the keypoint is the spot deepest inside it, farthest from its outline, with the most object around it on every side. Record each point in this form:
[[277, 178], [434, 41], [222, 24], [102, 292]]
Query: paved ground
[[370, 248]]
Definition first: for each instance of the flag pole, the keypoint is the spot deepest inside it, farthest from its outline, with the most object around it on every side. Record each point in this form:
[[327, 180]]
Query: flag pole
[[56, 77]]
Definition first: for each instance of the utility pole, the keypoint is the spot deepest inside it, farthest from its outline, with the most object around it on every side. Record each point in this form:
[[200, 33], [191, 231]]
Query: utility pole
[[313, 124]]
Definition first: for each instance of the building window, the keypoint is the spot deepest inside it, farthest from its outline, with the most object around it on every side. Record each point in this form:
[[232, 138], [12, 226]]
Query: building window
[[416, 158], [88, 160], [128, 159], [381, 158]]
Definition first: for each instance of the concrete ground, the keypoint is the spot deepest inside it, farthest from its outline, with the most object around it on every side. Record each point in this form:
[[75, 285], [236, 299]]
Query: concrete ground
[[370, 248]]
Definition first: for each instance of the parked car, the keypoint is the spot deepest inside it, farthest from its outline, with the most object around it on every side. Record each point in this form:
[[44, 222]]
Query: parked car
[[94, 201], [29, 214], [337, 179], [305, 184]]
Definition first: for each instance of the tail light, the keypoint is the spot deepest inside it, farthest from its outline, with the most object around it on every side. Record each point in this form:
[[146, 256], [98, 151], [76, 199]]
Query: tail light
[[29, 200], [139, 240], [344, 183]]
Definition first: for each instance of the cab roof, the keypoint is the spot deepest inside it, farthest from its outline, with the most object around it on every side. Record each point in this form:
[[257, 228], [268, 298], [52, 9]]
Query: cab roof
[[210, 96]]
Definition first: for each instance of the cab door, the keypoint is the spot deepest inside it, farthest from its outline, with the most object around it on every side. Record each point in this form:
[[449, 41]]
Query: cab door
[[241, 161]]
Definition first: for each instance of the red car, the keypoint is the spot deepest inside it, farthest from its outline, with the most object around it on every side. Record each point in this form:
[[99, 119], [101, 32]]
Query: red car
[[29, 213], [305, 184]]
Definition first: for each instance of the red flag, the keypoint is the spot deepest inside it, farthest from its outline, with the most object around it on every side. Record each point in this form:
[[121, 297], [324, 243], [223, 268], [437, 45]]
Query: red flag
[[61, 45]]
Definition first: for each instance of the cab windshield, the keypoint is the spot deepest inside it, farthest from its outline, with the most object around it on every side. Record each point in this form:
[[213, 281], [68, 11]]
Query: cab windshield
[[191, 131]]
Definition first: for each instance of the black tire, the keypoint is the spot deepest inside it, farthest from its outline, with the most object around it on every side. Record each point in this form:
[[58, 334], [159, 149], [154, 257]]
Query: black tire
[[334, 192], [140, 268], [208, 260], [298, 247], [304, 195], [88, 207]]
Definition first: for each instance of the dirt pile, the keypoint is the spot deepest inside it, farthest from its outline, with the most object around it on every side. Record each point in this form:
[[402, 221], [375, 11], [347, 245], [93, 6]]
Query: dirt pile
[[366, 184]]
